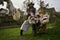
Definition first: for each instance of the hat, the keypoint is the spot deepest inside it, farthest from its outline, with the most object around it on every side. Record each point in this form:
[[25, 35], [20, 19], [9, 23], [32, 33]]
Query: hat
[[30, 4]]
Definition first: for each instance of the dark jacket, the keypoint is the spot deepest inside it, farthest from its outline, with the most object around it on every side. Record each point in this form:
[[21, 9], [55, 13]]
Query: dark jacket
[[32, 9]]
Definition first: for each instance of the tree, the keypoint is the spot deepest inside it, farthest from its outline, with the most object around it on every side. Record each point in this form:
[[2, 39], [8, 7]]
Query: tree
[[26, 2]]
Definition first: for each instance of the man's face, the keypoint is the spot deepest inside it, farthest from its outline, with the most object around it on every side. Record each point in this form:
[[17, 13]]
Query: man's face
[[31, 5]]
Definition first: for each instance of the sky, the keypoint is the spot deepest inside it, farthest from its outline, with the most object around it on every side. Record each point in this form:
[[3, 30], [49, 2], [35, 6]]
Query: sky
[[19, 4]]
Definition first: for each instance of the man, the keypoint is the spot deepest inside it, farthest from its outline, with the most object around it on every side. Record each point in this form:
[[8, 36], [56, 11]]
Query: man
[[30, 9]]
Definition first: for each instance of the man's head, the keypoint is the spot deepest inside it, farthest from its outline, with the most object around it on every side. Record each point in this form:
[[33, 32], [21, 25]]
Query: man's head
[[1, 2], [31, 4]]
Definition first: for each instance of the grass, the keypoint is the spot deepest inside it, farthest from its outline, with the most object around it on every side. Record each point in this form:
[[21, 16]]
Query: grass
[[9, 34], [14, 34], [52, 33]]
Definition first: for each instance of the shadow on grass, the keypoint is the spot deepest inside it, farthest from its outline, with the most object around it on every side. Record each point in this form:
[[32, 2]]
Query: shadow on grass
[[51, 33]]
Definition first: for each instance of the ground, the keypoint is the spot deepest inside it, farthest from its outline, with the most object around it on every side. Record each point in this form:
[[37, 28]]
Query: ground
[[52, 33]]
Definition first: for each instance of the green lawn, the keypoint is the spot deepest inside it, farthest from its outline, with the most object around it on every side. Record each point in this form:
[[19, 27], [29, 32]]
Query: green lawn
[[52, 33], [14, 34]]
